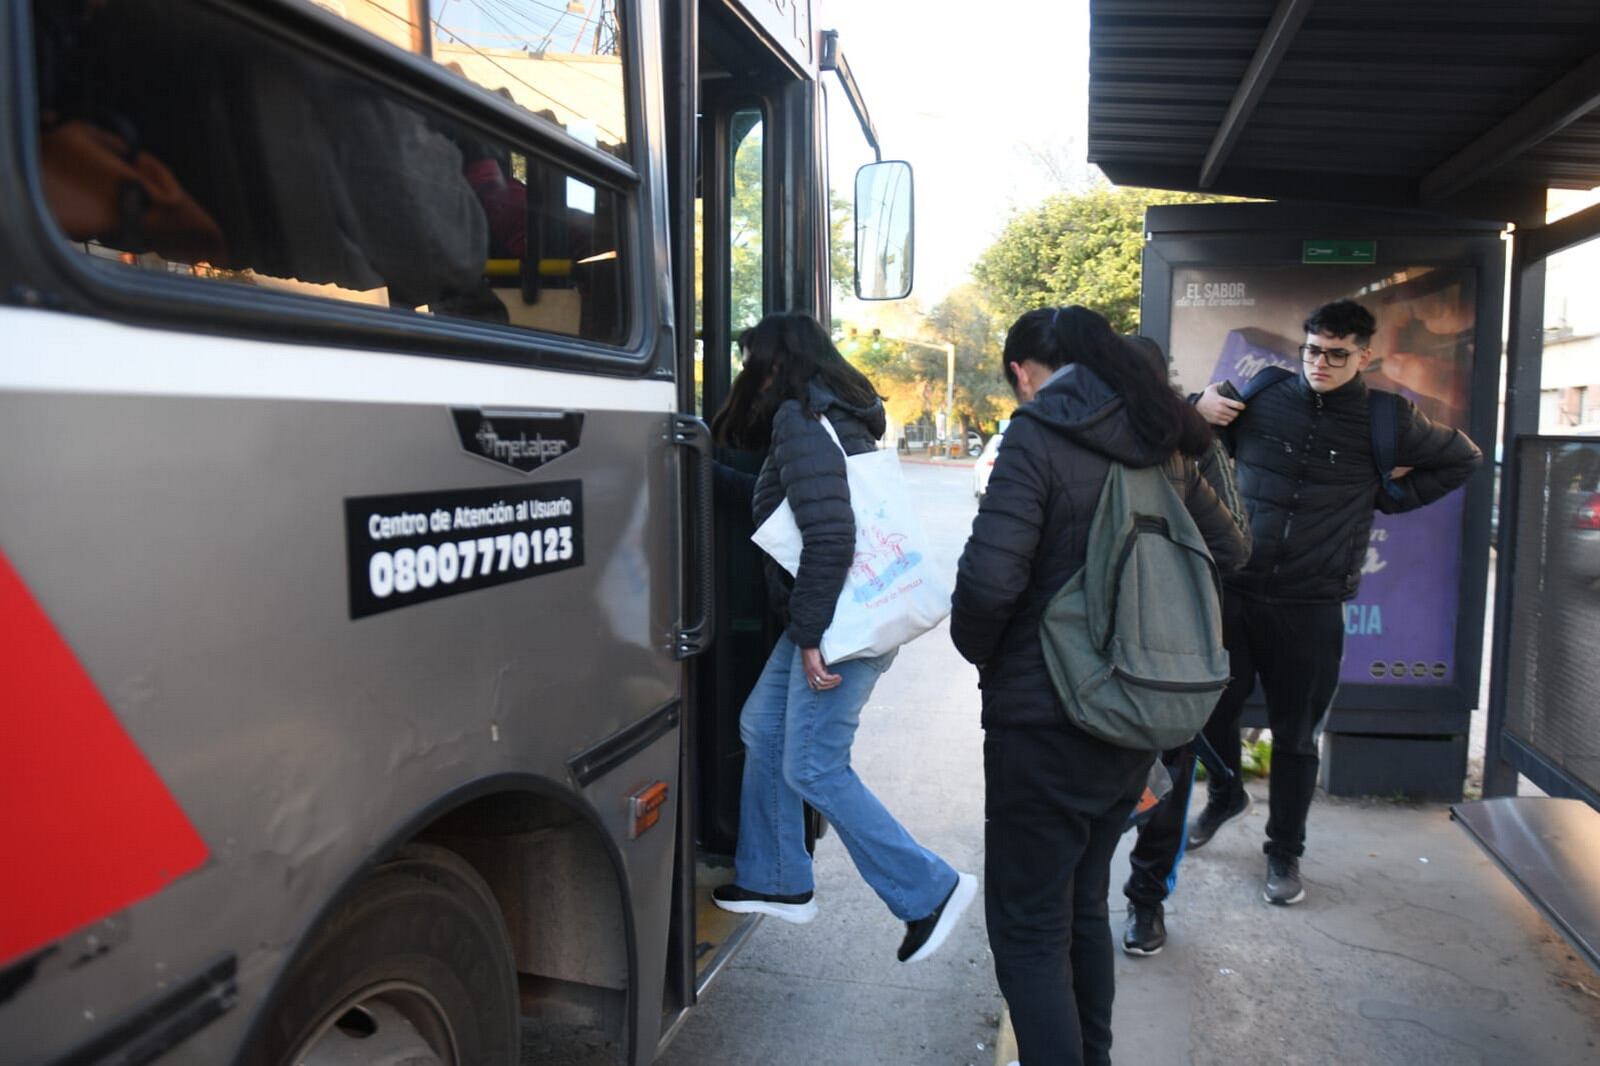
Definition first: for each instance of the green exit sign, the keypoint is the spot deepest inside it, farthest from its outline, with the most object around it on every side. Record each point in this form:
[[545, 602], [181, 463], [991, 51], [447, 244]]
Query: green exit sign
[[1339, 252]]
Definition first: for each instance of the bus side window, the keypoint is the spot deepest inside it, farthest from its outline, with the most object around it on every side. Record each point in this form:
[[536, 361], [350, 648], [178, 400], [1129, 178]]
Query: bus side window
[[176, 139]]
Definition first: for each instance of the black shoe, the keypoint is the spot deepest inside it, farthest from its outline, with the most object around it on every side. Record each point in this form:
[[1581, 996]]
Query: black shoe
[[1216, 814], [924, 935], [799, 909], [1146, 931], [1283, 886]]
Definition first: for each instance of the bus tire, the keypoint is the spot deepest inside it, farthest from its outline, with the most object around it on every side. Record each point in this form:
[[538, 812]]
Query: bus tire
[[415, 966]]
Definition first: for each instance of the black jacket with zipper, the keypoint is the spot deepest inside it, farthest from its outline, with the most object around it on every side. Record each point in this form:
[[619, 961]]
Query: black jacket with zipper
[[806, 467], [1309, 479], [1031, 535]]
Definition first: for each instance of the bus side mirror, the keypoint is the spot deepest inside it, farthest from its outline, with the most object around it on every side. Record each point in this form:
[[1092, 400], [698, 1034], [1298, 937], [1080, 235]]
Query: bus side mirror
[[885, 231]]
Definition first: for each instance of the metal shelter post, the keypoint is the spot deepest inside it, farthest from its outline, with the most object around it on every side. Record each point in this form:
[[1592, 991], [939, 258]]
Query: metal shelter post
[[1524, 359]]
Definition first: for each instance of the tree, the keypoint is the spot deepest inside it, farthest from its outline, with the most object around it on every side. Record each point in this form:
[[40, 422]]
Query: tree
[[841, 244], [910, 371], [900, 373], [746, 223], [965, 319], [1079, 248]]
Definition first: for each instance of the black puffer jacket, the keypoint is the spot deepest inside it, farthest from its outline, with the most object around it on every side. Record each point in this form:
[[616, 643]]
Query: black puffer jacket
[[1308, 476], [1032, 533], [807, 467]]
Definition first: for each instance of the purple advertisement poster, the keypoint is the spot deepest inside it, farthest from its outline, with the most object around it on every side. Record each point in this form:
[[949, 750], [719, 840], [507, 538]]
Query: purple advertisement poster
[[1229, 322]]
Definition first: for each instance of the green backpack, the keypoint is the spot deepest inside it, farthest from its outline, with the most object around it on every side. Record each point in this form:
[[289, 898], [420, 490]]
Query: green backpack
[[1133, 641]]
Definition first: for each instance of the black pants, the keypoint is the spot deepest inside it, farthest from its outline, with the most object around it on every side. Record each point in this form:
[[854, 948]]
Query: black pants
[[1296, 649], [1160, 844], [1055, 810]]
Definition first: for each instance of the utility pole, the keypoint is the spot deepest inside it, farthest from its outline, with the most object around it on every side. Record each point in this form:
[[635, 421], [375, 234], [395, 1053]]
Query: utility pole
[[949, 388]]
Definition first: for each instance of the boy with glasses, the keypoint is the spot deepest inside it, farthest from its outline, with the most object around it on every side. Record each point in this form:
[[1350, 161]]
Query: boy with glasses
[[1306, 470]]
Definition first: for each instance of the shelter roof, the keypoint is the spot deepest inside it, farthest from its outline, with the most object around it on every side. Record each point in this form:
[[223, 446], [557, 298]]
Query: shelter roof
[[1442, 104]]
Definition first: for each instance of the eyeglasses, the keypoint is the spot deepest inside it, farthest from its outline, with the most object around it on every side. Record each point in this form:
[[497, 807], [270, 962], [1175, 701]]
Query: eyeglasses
[[1335, 356]]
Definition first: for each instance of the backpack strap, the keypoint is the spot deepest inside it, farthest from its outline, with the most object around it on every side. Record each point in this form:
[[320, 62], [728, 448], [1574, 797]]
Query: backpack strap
[[1383, 416], [1264, 379]]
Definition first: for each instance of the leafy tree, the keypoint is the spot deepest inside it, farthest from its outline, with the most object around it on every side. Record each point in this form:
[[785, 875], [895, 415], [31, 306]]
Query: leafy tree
[[1081, 248], [910, 372], [965, 318], [894, 369], [746, 221], [841, 244]]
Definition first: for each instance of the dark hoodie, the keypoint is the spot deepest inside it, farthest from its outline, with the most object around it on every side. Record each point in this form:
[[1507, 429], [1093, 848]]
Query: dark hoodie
[[805, 466], [1032, 532]]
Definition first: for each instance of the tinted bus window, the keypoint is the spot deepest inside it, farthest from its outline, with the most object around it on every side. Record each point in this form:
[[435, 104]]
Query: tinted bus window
[[176, 139], [561, 59]]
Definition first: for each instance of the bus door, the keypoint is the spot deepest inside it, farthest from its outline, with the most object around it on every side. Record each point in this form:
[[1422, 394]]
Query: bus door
[[742, 205]]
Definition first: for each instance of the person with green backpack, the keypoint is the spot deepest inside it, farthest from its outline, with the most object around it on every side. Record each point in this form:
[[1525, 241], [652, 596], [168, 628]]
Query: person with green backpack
[[1088, 596]]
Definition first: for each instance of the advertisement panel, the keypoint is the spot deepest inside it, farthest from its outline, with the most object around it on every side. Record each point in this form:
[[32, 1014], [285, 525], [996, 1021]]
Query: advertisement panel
[[1228, 322]]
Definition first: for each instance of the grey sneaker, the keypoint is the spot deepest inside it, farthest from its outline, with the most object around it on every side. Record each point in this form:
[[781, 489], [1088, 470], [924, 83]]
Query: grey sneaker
[[1283, 886], [1215, 816], [1146, 931]]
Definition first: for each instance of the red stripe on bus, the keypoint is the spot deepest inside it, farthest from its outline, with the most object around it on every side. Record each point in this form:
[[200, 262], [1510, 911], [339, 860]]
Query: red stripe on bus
[[88, 827]]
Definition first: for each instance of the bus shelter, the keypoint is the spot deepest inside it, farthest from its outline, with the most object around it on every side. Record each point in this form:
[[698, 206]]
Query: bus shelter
[[1376, 124]]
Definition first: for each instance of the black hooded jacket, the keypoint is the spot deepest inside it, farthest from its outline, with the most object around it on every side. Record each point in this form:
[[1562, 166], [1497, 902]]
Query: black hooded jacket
[[1031, 535], [805, 466], [1308, 476]]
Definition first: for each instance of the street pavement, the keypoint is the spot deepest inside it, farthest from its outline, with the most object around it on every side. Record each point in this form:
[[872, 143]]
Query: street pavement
[[831, 993], [1412, 948]]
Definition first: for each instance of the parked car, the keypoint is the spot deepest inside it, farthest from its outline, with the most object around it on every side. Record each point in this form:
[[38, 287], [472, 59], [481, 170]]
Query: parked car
[[1577, 470], [1583, 540], [1575, 515], [985, 464]]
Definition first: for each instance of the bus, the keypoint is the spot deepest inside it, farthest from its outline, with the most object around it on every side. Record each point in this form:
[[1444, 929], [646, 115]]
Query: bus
[[372, 639]]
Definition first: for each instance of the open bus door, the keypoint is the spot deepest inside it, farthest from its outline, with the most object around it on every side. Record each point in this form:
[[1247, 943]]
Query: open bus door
[[750, 210], [743, 150]]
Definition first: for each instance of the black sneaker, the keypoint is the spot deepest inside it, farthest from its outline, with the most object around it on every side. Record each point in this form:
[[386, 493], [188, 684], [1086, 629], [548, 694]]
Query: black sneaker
[[799, 909], [1146, 931], [1215, 816], [1283, 886], [924, 935]]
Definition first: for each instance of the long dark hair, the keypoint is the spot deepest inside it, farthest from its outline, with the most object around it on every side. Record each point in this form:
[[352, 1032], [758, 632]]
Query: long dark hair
[[1055, 337], [783, 354]]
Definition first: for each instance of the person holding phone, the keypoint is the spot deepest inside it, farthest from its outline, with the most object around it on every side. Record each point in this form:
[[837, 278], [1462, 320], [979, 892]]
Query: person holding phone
[[1309, 477]]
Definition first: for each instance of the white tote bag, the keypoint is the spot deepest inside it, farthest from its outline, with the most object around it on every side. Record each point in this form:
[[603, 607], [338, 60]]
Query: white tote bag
[[894, 591]]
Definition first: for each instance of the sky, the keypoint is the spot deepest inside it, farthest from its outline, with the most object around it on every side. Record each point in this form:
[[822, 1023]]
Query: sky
[[969, 94]]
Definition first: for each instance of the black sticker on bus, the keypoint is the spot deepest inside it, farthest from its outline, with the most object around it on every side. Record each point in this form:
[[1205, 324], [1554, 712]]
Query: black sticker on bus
[[522, 440], [423, 546]]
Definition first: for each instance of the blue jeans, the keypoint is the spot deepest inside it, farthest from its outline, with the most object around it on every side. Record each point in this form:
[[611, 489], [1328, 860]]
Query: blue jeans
[[797, 748]]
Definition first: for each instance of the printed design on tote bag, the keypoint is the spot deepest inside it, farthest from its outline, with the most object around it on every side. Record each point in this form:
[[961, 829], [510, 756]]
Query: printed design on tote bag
[[881, 557]]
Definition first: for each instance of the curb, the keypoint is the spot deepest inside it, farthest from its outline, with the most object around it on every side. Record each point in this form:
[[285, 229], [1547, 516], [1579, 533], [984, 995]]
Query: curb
[[962, 463], [1005, 1043]]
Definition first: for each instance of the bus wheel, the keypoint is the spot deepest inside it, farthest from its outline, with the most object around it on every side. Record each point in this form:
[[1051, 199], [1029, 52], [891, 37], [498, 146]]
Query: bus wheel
[[416, 968]]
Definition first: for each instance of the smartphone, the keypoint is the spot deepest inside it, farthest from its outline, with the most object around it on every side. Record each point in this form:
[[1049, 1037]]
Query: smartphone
[[1226, 389]]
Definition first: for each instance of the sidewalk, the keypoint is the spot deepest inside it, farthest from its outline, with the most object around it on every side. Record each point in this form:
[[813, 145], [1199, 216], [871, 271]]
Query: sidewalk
[[1411, 948]]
